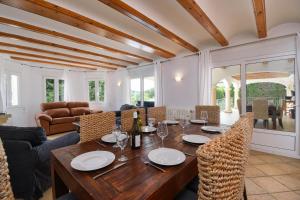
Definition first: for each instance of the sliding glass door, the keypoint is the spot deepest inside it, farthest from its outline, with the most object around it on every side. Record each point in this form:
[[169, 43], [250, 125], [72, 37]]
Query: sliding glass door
[[270, 94], [225, 92], [264, 87]]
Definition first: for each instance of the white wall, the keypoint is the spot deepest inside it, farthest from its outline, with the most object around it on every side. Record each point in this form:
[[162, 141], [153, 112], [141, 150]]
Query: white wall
[[117, 89], [183, 94]]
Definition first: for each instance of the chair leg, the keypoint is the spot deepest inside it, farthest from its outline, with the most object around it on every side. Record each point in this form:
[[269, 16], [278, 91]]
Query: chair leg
[[280, 122], [245, 193], [254, 123]]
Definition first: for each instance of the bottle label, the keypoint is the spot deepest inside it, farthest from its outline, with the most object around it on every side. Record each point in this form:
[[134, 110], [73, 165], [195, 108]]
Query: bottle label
[[137, 141], [135, 115]]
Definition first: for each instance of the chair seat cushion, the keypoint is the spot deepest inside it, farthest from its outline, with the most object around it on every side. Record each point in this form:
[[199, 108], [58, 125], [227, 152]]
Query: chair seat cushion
[[58, 112], [63, 120], [79, 111]]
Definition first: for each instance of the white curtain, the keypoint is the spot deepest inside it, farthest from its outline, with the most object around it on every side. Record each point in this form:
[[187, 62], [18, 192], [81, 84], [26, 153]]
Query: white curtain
[[158, 83], [204, 77], [2, 91], [298, 55]]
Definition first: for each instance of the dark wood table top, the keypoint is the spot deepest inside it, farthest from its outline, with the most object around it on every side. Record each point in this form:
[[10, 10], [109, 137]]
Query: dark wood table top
[[135, 180]]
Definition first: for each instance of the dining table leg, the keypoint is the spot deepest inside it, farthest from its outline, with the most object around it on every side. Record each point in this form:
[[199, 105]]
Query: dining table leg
[[58, 186]]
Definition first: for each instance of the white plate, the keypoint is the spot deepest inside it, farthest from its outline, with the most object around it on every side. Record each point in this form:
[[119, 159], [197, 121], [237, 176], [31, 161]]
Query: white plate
[[197, 139], [92, 160], [212, 129], [166, 156], [198, 121], [148, 129], [171, 122], [110, 138]]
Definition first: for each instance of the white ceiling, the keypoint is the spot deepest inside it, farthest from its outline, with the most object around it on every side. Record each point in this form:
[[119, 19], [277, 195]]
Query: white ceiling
[[232, 18]]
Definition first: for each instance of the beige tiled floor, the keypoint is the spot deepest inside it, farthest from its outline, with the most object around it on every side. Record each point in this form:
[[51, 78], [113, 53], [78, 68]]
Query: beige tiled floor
[[268, 177], [271, 177]]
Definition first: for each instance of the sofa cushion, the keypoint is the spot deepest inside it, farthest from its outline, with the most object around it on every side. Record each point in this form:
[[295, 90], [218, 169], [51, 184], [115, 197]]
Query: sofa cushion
[[53, 105], [34, 135], [75, 104], [58, 112], [79, 111], [62, 120]]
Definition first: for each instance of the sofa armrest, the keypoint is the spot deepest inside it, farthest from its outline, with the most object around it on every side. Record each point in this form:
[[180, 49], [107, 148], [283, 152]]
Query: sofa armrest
[[43, 116], [43, 120], [22, 160], [94, 111]]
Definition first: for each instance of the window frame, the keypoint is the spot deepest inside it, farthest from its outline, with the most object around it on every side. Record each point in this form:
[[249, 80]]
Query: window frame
[[97, 92], [8, 89], [142, 92], [56, 88]]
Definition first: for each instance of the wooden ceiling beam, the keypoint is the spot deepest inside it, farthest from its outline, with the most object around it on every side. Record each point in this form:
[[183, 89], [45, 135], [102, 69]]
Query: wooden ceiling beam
[[58, 54], [64, 36], [194, 9], [148, 23], [57, 13], [2, 51], [260, 17], [50, 63], [41, 42]]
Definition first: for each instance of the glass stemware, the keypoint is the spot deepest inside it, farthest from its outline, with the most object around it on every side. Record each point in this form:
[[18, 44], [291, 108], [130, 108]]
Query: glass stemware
[[116, 131], [183, 123], [162, 131], [122, 140], [151, 123], [204, 116]]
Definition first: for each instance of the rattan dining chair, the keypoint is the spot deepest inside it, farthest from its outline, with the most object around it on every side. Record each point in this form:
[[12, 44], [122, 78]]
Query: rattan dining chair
[[94, 126], [6, 192], [212, 111], [222, 163], [127, 118], [260, 110], [159, 113]]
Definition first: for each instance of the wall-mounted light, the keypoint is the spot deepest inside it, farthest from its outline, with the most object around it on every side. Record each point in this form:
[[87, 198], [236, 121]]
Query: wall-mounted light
[[178, 77], [119, 83]]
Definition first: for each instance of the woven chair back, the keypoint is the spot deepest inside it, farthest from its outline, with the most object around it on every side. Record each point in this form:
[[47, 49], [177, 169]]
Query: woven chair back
[[127, 118], [212, 111], [260, 109], [94, 126], [6, 192], [222, 163], [159, 113]]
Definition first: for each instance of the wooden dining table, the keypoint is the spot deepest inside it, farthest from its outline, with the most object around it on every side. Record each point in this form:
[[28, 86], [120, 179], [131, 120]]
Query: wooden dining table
[[135, 179]]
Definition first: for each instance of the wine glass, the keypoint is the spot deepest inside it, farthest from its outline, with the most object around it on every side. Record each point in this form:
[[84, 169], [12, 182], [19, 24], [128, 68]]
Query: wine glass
[[183, 124], [204, 116], [151, 122], [122, 140], [116, 131], [162, 131]]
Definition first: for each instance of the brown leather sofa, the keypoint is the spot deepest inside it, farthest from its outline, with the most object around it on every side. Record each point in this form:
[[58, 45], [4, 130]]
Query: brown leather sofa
[[58, 117]]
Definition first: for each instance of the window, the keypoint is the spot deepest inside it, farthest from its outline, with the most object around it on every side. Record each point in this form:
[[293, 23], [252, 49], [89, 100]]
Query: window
[[149, 88], [96, 90], [13, 90], [142, 89], [61, 90], [54, 89], [135, 90]]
